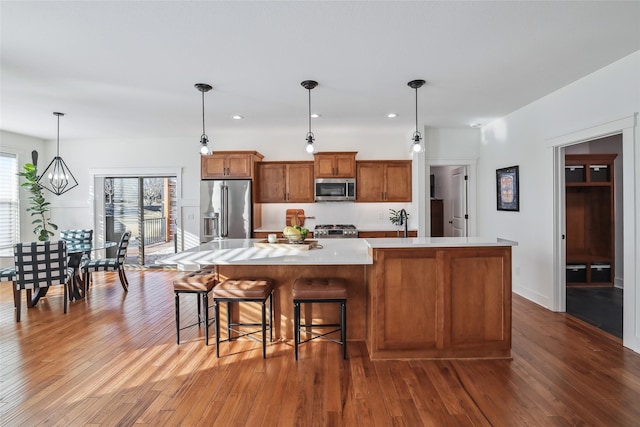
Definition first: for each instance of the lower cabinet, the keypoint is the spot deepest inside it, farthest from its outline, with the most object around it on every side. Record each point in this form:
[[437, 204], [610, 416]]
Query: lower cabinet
[[440, 303], [385, 233]]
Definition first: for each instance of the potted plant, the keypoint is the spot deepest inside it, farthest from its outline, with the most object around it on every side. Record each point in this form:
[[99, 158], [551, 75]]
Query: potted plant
[[394, 217], [39, 206]]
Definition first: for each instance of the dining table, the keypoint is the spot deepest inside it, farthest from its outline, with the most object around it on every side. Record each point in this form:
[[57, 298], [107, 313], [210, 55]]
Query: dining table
[[75, 252]]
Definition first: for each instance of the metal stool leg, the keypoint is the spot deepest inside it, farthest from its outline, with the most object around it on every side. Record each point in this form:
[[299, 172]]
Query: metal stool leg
[[271, 316], [296, 326], [177, 299], [206, 317], [264, 329], [343, 328], [216, 309]]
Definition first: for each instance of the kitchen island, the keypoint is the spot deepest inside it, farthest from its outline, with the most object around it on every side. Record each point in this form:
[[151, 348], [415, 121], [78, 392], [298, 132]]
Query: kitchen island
[[408, 297]]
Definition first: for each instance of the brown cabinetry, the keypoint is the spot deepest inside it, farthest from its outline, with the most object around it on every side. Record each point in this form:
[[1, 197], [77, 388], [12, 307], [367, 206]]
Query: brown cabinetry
[[437, 218], [590, 220], [335, 164], [284, 182], [383, 181], [440, 303], [386, 233], [229, 164]]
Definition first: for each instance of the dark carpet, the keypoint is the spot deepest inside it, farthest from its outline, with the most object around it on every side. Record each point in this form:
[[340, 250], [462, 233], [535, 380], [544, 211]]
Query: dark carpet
[[601, 307]]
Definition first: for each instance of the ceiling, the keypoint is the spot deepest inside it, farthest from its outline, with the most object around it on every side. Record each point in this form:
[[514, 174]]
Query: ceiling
[[127, 69]]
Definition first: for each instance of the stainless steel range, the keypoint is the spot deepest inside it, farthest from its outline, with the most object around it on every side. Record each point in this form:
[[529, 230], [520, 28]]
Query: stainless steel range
[[335, 231]]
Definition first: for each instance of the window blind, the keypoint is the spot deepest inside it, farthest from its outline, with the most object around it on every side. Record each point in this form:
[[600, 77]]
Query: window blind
[[9, 203]]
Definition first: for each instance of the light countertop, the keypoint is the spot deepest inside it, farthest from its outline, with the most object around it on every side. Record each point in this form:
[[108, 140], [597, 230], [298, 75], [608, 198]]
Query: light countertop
[[242, 252], [331, 252], [436, 242]]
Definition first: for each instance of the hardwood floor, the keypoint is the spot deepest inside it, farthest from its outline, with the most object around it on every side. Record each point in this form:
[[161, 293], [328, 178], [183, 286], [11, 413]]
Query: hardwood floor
[[113, 360]]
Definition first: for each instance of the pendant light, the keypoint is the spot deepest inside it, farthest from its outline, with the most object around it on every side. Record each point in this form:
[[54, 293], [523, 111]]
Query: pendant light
[[204, 140], [417, 137], [57, 178], [309, 84]]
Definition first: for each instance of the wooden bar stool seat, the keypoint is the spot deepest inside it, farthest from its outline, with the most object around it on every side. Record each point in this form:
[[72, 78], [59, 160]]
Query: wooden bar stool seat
[[320, 290], [244, 290], [201, 283]]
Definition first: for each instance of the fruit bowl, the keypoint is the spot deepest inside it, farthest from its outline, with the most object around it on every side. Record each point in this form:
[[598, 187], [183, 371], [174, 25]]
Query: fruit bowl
[[294, 237]]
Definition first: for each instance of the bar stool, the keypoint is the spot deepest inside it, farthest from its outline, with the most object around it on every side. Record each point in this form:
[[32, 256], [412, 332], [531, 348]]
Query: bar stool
[[317, 290], [244, 290], [200, 283]]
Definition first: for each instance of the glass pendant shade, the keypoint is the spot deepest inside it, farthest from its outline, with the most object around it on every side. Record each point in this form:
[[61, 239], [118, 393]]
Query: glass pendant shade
[[57, 178], [417, 147], [204, 139], [204, 147], [310, 149], [416, 139], [309, 84]]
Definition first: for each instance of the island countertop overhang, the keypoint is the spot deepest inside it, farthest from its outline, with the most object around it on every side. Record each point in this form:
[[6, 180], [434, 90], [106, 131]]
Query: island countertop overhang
[[333, 251]]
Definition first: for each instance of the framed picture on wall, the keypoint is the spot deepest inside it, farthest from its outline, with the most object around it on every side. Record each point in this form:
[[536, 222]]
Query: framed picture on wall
[[508, 191]]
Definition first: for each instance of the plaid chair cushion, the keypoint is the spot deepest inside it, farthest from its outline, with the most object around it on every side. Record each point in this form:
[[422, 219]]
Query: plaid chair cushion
[[41, 264], [84, 235], [110, 264], [104, 264], [7, 274]]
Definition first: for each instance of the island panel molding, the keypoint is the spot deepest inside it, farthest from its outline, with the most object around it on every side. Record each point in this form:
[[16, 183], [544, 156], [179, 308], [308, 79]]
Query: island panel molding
[[440, 303]]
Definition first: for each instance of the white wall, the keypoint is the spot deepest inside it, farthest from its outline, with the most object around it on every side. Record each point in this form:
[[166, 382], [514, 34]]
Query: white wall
[[522, 138]]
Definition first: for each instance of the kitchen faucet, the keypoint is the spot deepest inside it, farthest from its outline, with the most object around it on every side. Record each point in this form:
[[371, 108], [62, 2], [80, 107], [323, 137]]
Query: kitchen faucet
[[404, 220]]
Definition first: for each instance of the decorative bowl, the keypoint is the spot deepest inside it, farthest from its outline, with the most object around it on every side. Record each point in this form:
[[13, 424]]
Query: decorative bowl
[[295, 237]]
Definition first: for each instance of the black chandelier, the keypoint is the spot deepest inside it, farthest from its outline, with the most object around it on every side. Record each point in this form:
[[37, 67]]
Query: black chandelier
[[57, 178], [204, 140], [417, 137], [309, 84]]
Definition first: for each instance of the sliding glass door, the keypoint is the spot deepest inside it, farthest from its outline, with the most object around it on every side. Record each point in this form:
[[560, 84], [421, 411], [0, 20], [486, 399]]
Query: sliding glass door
[[144, 205]]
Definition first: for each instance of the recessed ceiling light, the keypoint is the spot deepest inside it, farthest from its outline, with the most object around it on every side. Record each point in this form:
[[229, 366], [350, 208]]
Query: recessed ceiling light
[[237, 117], [315, 115], [392, 115], [476, 125]]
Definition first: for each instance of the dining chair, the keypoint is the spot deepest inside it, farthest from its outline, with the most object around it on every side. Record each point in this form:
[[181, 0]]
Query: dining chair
[[110, 264], [40, 265], [8, 274], [84, 235], [78, 236]]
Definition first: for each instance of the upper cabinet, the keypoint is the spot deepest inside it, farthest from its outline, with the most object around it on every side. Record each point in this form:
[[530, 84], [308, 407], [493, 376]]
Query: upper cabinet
[[229, 164], [383, 181], [340, 164], [284, 182]]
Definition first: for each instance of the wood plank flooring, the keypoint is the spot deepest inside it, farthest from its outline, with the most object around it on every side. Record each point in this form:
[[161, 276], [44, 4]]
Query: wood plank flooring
[[113, 360]]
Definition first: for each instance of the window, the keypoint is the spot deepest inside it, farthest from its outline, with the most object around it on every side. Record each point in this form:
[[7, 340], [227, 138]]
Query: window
[[9, 203]]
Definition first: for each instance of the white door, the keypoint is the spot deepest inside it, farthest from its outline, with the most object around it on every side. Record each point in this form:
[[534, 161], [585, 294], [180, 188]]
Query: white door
[[459, 215]]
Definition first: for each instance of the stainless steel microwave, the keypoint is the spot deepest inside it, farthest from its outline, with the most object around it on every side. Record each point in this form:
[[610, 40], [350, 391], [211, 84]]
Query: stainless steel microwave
[[335, 190]]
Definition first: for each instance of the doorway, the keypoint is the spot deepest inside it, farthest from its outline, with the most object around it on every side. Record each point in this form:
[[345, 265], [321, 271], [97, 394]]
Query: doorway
[[451, 189], [594, 236], [144, 205]]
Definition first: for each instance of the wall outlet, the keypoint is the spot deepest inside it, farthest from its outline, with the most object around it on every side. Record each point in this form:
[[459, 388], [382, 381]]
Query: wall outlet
[[191, 216], [380, 215]]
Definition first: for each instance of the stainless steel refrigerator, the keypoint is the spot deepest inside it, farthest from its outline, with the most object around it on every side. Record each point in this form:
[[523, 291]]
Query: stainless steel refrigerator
[[225, 209]]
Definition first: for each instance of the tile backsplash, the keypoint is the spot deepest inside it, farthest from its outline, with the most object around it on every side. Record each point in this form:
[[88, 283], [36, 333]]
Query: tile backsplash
[[365, 216]]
